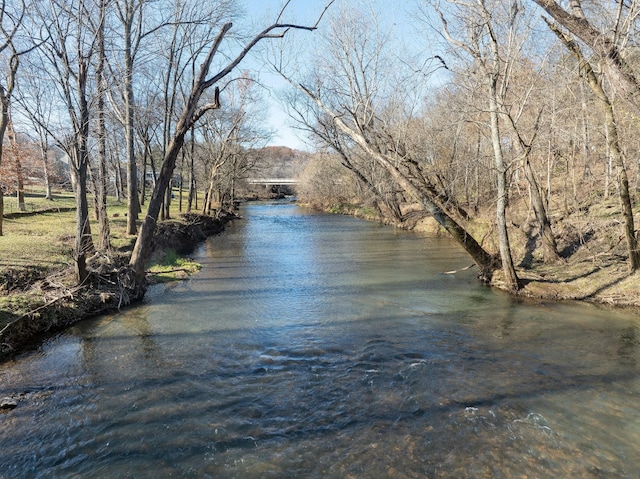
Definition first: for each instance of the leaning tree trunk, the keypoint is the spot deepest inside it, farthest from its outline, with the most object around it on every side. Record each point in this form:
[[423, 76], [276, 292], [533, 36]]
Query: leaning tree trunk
[[487, 262], [549, 245], [142, 248]]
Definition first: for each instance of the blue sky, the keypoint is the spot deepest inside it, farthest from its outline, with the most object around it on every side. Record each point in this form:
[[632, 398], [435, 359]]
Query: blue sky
[[263, 12]]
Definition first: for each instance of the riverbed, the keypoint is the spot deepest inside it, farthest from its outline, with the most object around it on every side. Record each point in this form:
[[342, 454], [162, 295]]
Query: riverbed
[[321, 346]]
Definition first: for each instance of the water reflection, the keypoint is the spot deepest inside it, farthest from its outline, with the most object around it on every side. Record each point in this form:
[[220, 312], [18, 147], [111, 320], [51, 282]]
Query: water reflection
[[322, 346]]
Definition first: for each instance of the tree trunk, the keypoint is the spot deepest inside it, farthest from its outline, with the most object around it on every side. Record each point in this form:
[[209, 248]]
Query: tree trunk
[[209, 197], [45, 167], [13, 143], [549, 245], [192, 174], [4, 122], [104, 241], [84, 243], [133, 202], [613, 143], [142, 248], [485, 261], [118, 178], [510, 277], [623, 187], [181, 184], [167, 201], [20, 181], [143, 175], [94, 183]]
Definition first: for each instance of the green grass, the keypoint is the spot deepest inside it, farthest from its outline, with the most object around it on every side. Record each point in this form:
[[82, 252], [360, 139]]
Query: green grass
[[173, 267], [35, 201], [46, 240]]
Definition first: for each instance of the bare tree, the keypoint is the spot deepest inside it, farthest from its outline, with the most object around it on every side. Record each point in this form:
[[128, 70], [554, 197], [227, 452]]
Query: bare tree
[[487, 34], [227, 136], [148, 124], [140, 24], [104, 242], [613, 143], [32, 95], [11, 17], [355, 89], [68, 52], [191, 113], [367, 174], [16, 156], [607, 41], [130, 14], [189, 33]]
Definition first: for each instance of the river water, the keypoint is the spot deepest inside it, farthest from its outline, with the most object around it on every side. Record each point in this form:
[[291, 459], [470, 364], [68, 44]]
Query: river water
[[322, 346]]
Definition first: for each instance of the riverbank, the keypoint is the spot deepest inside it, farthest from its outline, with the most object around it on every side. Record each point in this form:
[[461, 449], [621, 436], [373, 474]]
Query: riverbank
[[52, 303], [315, 345], [592, 267]]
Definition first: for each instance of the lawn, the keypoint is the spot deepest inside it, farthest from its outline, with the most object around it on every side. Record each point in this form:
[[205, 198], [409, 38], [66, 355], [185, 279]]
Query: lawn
[[46, 240]]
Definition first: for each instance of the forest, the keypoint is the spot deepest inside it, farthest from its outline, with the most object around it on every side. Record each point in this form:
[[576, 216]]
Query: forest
[[510, 125]]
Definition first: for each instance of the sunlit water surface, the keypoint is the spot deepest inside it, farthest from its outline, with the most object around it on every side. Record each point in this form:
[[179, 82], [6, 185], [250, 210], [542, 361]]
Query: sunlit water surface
[[323, 346]]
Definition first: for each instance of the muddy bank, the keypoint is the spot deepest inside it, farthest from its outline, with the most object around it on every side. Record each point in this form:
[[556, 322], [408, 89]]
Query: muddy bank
[[593, 265], [53, 304]]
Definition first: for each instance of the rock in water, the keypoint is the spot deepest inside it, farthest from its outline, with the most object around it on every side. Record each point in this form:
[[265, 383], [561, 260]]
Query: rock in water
[[7, 404]]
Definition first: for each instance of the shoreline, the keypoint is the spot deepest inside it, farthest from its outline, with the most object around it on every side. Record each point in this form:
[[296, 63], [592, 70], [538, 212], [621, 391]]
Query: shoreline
[[597, 278], [107, 290], [602, 282]]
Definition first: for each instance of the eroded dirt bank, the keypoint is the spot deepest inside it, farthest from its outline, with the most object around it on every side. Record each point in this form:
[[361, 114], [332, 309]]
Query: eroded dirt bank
[[54, 303], [593, 260]]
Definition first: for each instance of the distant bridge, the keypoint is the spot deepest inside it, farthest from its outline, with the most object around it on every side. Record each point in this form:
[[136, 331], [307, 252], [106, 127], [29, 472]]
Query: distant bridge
[[273, 181]]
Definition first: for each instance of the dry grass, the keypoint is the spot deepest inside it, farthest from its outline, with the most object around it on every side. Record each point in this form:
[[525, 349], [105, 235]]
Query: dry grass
[[38, 245], [591, 240], [594, 264], [46, 240]]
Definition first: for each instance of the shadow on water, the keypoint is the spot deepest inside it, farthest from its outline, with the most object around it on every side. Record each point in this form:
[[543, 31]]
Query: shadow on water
[[374, 369], [288, 397]]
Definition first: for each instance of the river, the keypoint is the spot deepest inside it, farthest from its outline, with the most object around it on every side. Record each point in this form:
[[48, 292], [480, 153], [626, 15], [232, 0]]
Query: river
[[322, 346]]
